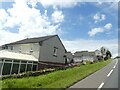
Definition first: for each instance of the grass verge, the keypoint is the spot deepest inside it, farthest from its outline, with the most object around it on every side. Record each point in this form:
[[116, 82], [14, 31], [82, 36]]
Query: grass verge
[[57, 79]]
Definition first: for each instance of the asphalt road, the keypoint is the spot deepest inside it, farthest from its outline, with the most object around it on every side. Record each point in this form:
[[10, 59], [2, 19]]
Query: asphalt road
[[105, 78], [112, 81]]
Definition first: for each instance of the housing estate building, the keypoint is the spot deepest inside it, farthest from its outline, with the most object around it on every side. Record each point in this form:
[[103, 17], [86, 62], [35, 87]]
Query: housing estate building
[[81, 56], [69, 57], [98, 54], [32, 54]]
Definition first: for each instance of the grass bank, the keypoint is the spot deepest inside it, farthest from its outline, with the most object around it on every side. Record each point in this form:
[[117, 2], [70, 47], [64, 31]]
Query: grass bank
[[57, 79]]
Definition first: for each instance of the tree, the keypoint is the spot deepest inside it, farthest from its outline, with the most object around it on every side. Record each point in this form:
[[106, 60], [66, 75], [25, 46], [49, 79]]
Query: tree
[[108, 54]]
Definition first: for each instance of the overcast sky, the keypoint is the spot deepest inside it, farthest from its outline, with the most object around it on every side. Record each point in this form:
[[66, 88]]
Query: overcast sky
[[80, 25]]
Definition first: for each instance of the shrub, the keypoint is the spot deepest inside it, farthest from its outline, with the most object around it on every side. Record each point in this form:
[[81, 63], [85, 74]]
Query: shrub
[[27, 74], [84, 63]]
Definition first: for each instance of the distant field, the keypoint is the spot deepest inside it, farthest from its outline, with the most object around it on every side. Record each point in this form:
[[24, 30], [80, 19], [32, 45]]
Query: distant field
[[57, 79]]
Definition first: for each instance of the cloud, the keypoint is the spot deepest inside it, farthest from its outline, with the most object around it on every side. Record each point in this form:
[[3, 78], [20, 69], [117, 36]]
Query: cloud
[[99, 17], [7, 37], [3, 17], [30, 21], [108, 7], [94, 31], [91, 45], [32, 2], [57, 16], [108, 26], [60, 3], [111, 5]]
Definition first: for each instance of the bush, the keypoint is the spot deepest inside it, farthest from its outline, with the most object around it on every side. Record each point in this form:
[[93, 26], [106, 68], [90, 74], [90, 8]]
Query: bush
[[91, 62], [27, 74], [84, 63]]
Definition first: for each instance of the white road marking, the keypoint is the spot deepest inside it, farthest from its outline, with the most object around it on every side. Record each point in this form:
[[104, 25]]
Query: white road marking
[[101, 85], [115, 64], [110, 73]]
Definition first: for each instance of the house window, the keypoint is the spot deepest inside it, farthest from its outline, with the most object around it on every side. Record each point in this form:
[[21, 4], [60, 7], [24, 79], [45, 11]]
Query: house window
[[66, 61], [31, 50], [55, 51], [34, 68], [11, 47], [15, 68], [20, 50], [29, 67], [6, 68], [22, 68], [4, 47]]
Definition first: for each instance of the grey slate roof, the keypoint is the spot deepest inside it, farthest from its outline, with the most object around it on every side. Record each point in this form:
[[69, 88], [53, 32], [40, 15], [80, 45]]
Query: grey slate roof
[[92, 53], [80, 53], [69, 54], [84, 53], [32, 40]]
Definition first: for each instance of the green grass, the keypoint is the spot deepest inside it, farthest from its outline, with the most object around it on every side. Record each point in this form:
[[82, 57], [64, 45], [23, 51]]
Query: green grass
[[57, 79]]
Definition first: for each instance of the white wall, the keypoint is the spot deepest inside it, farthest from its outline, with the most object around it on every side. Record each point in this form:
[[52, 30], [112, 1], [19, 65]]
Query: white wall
[[25, 48]]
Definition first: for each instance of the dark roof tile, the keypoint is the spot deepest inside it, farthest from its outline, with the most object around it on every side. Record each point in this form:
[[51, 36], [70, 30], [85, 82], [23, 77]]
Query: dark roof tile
[[32, 40]]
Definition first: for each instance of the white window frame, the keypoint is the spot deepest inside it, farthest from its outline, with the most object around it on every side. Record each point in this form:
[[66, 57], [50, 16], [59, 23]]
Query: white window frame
[[55, 51], [20, 49], [2, 66], [31, 48], [11, 67]]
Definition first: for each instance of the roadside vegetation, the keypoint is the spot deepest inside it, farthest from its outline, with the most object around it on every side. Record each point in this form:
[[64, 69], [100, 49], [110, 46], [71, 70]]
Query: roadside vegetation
[[56, 79]]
